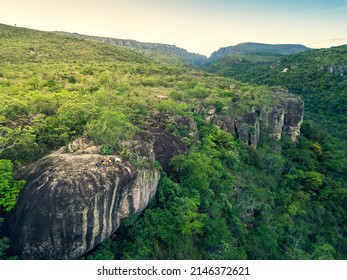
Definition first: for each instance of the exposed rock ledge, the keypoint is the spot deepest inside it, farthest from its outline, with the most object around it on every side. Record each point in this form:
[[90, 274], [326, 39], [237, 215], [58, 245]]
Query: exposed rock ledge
[[72, 202], [284, 118]]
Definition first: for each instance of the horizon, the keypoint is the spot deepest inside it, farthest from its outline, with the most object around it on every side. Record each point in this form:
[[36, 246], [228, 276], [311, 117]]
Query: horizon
[[198, 26]]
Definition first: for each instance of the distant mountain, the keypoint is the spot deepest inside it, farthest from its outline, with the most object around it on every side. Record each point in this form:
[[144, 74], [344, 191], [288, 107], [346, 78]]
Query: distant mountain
[[259, 49], [163, 53]]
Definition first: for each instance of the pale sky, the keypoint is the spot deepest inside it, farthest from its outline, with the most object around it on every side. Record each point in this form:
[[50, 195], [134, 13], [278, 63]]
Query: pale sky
[[198, 26]]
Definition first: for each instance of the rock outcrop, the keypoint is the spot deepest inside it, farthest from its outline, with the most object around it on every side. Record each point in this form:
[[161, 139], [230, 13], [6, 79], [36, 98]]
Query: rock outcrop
[[283, 118], [247, 128], [74, 199]]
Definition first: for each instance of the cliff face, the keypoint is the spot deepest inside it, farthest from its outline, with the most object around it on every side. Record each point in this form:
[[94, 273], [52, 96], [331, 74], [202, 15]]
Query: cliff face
[[74, 200], [283, 118]]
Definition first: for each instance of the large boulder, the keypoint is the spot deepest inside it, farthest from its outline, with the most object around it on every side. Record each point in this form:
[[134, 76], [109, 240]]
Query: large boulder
[[74, 199]]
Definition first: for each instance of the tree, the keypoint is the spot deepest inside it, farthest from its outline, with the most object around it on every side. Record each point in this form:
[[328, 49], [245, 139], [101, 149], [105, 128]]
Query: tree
[[9, 190]]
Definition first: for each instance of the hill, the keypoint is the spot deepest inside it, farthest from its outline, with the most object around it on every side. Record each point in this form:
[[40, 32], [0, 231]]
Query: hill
[[162, 53], [26, 45], [319, 76], [210, 167], [258, 49]]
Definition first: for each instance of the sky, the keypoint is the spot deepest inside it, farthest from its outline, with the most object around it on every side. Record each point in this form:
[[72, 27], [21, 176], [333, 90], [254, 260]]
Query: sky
[[198, 26]]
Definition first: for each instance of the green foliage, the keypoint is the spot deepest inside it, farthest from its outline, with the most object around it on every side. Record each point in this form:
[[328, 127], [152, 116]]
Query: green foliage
[[9, 188], [171, 107], [111, 128], [9, 191], [224, 199], [219, 106], [106, 150], [177, 96], [198, 92], [4, 245], [317, 75], [269, 203], [103, 252]]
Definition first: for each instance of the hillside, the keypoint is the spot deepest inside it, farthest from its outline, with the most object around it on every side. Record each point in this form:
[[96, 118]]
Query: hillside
[[258, 49], [107, 154], [162, 53], [319, 76]]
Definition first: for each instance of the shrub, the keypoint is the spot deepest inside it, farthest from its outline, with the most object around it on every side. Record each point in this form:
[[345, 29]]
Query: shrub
[[110, 129]]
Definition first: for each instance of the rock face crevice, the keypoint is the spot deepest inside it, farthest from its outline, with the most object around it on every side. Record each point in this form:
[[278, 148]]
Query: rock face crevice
[[73, 201]]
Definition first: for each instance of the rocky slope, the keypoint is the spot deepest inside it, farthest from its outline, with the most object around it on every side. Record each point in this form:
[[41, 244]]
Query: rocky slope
[[284, 118]]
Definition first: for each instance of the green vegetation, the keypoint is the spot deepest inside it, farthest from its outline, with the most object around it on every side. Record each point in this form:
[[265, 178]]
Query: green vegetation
[[224, 199], [55, 88], [9, 191], [258, 49], [319, 76]]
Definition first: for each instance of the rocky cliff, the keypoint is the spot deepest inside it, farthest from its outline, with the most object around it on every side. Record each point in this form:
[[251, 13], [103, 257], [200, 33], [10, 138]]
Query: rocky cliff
[[285, 117], [74, 199]]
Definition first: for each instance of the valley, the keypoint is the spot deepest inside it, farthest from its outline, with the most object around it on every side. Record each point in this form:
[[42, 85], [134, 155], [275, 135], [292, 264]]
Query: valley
[[116, 149]]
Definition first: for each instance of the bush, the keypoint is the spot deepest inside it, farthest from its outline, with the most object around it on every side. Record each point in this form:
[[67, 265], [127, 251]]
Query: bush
[[198, 92], [110, 129], [172, 108], [177, 96], [9, 188]]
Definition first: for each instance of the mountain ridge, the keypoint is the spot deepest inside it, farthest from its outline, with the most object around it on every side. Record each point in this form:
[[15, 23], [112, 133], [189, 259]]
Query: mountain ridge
[[258, 48], [182, 54]]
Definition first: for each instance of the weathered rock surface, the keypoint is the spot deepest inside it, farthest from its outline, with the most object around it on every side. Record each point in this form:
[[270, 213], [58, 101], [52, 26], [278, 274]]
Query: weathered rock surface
[[293, 117], [273, 120], [247, 128], [192, 128], [72, 201], [285, 117]]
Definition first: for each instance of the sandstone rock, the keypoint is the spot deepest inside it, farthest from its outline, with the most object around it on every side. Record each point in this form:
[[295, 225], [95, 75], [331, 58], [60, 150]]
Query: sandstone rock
[[81, 146], [209, 112]]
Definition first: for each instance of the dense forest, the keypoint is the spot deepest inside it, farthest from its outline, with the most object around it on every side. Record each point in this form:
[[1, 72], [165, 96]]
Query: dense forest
[[223, 198]]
